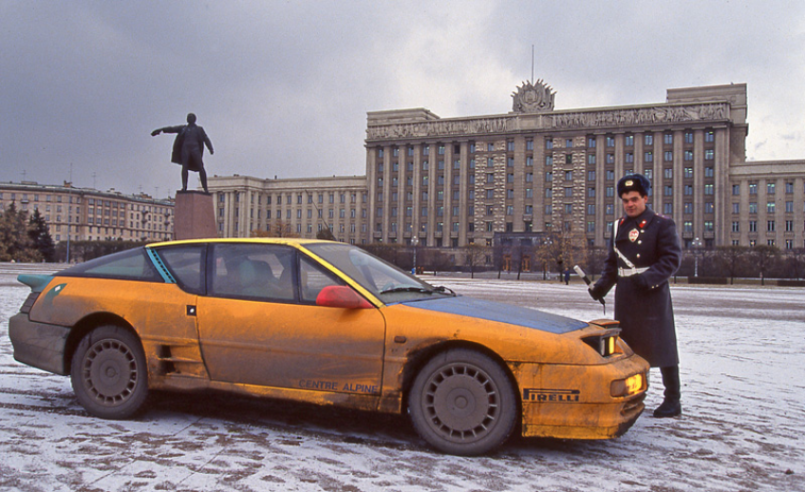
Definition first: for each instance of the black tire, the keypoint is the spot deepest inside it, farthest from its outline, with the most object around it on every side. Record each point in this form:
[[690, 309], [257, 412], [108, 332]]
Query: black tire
[[109, 373], [463, 403]]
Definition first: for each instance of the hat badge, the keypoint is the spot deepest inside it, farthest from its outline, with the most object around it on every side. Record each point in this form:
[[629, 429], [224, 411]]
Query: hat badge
[[628, 183]]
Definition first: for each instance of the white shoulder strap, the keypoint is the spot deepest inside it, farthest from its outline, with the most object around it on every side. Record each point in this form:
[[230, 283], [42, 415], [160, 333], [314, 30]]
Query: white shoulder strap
[[615, 248]]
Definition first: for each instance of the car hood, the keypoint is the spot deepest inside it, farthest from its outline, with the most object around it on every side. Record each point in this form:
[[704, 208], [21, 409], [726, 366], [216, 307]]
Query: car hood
[[503, 313]]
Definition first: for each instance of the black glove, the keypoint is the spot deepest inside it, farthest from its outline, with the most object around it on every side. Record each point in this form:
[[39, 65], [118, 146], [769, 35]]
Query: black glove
[[597, 291], [640, 281]]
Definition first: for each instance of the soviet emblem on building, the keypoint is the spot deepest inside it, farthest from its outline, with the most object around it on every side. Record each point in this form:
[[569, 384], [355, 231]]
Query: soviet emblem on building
[[533, 97]]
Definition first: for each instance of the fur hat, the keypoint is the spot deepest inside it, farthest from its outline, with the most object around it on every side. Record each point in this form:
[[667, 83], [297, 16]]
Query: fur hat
[[634, 182]]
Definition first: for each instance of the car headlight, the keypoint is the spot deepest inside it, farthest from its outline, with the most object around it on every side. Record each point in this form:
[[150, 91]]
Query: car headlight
[[629, 386], [605, 345]]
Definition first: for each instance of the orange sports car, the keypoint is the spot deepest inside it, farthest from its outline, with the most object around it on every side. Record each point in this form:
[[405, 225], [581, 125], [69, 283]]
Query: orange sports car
[[326, 323]]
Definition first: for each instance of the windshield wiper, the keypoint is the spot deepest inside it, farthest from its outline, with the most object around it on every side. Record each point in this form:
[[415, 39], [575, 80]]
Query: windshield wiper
[[406, 289], [443, 290], [421, 290]]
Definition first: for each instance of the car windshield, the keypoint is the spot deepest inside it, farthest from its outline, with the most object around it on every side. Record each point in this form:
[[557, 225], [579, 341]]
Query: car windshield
[[382, 279]]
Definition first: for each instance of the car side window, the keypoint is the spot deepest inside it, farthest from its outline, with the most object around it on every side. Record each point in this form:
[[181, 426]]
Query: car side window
[[312, 279], [132, 264], [262, 272], [186, 264]]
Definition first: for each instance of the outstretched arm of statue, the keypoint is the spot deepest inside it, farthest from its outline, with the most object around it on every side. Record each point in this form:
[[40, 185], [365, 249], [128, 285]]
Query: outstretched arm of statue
[[167, 129]]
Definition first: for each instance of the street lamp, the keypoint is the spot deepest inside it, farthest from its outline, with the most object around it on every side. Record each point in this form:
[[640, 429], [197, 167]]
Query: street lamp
[[414, 243], [697, 243]]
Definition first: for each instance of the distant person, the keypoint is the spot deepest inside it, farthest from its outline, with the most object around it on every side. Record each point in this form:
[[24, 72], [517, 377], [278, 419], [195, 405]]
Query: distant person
[[567, 277], [644, 253], [188, 148]]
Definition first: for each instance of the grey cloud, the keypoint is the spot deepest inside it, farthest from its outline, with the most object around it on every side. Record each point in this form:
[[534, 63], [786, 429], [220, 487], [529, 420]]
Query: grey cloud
[[283, 87]]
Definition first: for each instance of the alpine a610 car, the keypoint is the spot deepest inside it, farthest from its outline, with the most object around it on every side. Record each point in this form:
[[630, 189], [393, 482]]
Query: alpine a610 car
[[330, 324]]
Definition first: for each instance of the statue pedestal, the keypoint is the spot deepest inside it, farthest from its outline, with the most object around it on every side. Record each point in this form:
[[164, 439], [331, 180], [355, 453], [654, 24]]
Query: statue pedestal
[[194, 216]]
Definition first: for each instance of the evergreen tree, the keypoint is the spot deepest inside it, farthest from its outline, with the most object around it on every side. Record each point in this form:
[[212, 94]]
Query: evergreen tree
[[15, 243], [40, 236]]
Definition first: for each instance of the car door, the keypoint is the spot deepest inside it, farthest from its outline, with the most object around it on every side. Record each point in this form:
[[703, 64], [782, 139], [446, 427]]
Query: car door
[[259, 324]]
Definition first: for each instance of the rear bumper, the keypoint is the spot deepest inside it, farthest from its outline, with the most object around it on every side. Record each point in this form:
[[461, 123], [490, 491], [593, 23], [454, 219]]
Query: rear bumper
[[38, 344]]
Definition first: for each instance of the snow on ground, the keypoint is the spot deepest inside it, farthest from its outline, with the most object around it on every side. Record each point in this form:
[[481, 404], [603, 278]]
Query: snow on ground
[[743, 379]]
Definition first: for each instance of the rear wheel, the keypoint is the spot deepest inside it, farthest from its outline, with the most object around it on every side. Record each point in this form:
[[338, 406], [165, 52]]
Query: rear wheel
[[463, 403], [109, 373]]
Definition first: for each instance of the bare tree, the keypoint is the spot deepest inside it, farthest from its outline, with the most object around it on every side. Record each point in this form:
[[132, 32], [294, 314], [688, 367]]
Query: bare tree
[[764, 257], [595, 261], [279, 228], [326, 234], [475, 255], [795, 263], [517, 257], [731, 259]]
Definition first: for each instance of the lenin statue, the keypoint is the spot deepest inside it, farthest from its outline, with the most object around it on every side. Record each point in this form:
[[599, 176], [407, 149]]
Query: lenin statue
[[188, 148]]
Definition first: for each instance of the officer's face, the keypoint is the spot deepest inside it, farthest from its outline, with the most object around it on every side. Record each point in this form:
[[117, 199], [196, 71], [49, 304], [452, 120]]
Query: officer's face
[[634, 204]]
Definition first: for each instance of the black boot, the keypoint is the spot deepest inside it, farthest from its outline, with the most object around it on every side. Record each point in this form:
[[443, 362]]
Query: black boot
[[671, 406]]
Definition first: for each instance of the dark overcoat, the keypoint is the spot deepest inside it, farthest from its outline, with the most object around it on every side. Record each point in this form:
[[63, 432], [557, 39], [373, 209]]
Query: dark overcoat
[[643, 301], [190, 149]]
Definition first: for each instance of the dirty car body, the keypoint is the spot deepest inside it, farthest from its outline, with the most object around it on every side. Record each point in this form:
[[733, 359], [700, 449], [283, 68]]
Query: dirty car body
[[330, 324]]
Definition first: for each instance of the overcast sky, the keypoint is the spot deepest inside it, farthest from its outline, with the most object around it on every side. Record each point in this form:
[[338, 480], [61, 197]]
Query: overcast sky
[[282, 87]]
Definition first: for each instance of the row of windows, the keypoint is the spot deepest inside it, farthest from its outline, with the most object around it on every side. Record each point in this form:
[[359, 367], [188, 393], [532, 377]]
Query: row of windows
[[648, 139], [342, 213], [709, 155], [441, 148], [709, 207], [687, 225], [771, 207], [668, 156], [92, 204], [590, 210], [771, 188], [771, 226], [342, 198], [91, 213]]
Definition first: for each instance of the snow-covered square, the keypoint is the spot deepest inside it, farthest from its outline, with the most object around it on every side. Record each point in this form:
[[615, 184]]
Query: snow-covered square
[[743, 379]]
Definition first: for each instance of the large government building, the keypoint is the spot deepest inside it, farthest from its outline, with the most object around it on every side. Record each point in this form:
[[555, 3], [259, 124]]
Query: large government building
[[451, 182], [86, 214], [533, 172]]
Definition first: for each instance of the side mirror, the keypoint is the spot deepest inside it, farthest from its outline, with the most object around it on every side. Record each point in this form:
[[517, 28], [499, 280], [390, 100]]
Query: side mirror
[[341, 296]]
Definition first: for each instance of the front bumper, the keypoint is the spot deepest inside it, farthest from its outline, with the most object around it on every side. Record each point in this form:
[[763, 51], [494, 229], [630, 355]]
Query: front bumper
[[575, 402], [38, 344]]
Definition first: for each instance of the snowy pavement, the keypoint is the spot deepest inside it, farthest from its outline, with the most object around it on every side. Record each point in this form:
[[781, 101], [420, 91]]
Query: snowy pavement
[[743, 375]]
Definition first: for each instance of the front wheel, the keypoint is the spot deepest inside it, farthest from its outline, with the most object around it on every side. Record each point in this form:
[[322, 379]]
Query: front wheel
[[462, 403], [109, 373]]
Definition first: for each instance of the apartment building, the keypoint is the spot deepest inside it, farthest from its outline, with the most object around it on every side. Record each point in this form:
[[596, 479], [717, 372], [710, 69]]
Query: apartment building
[[86, 214]]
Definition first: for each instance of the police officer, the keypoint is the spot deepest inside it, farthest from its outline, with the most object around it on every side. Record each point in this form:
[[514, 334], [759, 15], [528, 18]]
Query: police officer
[[644, 254]]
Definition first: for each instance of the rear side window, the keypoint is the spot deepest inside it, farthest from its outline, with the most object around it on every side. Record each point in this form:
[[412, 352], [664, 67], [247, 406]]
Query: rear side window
[[132, 264], [186, 264]]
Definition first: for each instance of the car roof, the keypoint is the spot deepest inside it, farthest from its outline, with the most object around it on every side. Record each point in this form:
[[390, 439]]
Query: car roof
[[251, 240]]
